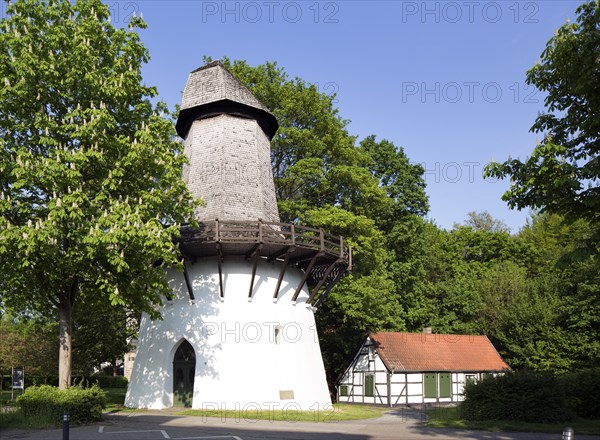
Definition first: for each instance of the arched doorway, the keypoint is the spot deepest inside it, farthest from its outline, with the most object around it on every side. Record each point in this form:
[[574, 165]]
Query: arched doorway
[[184, 369]]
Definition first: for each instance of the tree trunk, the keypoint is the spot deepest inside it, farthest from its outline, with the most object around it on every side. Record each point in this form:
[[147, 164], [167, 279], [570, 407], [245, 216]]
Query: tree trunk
[[65, 338]]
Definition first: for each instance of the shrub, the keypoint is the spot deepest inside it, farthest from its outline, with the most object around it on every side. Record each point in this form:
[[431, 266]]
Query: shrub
[[105, 381], [83, 404], [529, 397], [102, 381], [30, 380], [34, 380], [582, 390]]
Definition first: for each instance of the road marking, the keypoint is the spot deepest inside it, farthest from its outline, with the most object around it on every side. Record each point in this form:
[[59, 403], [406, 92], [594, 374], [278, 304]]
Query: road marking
[[165, 435], [162, 431], [210, 436]]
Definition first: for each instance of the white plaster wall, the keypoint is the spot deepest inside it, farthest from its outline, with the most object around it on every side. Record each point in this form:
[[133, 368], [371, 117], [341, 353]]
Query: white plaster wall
[[238, 362], [362, 363]]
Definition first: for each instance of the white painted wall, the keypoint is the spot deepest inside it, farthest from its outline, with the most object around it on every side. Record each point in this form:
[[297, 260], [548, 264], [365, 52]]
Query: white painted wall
[[238, 362]]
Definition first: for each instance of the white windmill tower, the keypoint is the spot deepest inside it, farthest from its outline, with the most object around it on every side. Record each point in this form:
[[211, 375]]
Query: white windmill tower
[[240, 330]]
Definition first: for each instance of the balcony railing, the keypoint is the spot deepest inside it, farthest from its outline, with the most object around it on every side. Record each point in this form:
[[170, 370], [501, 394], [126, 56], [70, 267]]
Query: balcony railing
[[283, 234]]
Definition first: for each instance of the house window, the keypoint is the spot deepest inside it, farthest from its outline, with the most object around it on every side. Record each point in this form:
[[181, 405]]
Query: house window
[[369, 385], [344, 390], [445, 380], [470, 378], [429, 385], [437, 385]]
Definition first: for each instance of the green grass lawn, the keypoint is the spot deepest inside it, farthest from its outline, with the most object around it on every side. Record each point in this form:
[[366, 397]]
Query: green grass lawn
[[115, 398], [450, 418], [335, 413]]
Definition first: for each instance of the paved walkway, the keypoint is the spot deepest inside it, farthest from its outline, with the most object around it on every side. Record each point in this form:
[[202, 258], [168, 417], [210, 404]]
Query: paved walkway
[[397, 424]]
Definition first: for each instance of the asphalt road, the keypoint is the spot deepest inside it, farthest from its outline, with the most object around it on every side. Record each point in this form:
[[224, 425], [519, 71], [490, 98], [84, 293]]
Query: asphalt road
[[397, 424]]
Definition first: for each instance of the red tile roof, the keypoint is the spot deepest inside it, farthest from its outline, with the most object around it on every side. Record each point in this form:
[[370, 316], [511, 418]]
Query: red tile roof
[[435, 352]]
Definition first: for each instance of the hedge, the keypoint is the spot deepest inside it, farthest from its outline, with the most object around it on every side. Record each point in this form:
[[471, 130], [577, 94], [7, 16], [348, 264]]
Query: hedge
[[102, 381], [582, 390], [84, 405], [533, 397]]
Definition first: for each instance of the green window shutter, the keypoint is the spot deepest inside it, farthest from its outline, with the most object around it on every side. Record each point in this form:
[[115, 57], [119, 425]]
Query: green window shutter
[[369, 385], [343, 390], [445, 384], [429, 385]]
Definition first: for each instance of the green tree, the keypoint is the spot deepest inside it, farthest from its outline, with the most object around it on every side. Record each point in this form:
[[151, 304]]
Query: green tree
[[567, 269], [562, 175], [471, 275], [483, 221], [27, 342], [367, 191], [532, 331], [90, 189], [102, 336]]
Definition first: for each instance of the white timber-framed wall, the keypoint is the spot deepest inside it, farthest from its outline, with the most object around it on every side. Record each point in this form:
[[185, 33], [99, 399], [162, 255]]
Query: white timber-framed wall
[[368, 380]]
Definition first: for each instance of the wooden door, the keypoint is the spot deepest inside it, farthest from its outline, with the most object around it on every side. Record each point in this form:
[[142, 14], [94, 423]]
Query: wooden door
[[184, 370]]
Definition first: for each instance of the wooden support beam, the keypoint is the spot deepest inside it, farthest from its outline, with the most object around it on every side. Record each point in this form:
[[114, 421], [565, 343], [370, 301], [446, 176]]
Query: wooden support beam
[[281, 274], [333, 282], [286, 251], [349, 257], [306, 275], [187, 281], [322, 239], [307, 257], [219, 261], [255, 254], [253, 250], [320, 283]]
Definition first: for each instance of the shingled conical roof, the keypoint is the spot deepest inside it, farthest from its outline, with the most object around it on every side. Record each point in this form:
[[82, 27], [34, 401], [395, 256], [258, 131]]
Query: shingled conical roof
[[212, 90]]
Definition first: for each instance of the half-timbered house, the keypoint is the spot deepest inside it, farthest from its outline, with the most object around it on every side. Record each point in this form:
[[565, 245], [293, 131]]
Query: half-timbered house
[[403, 368]]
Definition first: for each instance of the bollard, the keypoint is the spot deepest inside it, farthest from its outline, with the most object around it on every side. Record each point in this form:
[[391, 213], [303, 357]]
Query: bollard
[[66, 419], [568, 434]]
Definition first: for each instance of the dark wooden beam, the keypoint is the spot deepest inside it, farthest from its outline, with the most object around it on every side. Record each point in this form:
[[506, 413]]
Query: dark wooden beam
[[253, 250], [320, 283], [333, 282], [307, 256], [285, 251], [306, 275], [281, 274], [256, 253], [187, 281], [219, 261]]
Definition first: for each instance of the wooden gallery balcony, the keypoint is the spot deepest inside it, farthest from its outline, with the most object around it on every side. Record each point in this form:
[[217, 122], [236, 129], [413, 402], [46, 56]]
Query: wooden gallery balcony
[[324, 258]]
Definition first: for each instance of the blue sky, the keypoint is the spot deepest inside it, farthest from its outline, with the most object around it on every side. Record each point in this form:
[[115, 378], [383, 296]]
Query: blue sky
[[443, 79]]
